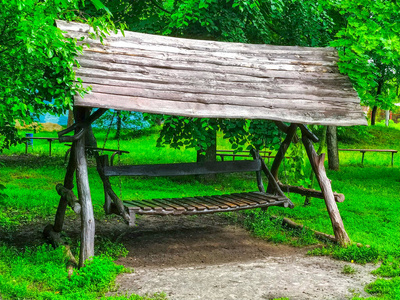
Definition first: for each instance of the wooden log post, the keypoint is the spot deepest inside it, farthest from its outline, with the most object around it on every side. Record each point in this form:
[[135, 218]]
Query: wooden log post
[[317, 163], [87, 216], [68, 184], [290, 132]]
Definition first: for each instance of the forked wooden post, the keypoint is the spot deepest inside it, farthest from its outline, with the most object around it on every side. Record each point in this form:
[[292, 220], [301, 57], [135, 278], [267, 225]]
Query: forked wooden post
[[87, 217], [317, 163]]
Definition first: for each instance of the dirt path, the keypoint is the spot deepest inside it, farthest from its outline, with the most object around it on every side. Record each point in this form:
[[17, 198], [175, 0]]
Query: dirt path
[[207, 258]]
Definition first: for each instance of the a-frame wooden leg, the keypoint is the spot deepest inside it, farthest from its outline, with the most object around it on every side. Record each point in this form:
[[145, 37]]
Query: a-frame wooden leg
[[317, 163], [87, 216], [290, 132]]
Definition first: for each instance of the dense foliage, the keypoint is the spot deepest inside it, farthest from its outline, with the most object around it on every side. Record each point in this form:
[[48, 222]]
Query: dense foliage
[[36, 60], [369, 48]]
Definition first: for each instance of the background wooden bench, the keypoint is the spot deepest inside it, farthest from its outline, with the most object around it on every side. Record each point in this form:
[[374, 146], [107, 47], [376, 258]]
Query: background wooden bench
[[371, 150], [88, 148], [244, 153]]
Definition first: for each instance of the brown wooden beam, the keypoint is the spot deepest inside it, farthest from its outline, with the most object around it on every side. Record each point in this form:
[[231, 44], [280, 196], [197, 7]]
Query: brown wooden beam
[[309, 192], [317, 163], [281, 154]]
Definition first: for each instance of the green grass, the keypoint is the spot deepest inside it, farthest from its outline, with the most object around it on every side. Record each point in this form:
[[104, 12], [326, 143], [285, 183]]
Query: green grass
[[370, 211]]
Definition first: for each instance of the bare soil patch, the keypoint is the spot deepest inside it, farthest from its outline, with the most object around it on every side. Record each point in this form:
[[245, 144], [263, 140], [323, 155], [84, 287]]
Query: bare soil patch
[[206, 257]]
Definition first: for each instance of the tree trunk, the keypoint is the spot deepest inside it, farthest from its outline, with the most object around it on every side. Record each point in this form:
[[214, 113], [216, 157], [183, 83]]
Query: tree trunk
[[90, 139], [387, 117], [373, 115], [375, 108], [210, 154], [333, 152], [70, 118]]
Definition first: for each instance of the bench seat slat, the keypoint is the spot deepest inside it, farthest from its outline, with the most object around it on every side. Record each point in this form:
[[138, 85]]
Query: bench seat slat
[[162, 203], [206, 204], [213, 200], [184, 168], [186, 204]]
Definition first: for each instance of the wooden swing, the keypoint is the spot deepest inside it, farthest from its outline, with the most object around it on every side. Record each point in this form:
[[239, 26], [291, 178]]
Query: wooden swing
[[165, 75]]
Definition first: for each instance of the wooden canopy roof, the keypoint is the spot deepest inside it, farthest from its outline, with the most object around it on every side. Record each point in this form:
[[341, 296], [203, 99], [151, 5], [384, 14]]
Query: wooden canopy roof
[[195, 78]]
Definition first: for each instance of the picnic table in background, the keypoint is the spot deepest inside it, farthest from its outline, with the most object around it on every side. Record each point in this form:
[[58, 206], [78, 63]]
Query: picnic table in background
[[29, 142], [95, 149], [244, 153], [371, 150]]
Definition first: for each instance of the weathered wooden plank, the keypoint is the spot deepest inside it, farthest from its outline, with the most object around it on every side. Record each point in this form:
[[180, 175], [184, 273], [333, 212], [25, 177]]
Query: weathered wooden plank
[[192, 85], [180, 169], [234, 90], [118, 40], [233, 59], [319, 117], [269, 100], [216, 65], [220, 73]]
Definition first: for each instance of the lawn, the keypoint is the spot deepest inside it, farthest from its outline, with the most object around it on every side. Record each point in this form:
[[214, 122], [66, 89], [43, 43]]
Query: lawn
[[370, 211]]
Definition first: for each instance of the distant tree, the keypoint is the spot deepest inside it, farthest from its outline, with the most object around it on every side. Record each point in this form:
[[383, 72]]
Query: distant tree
[[369, 48]]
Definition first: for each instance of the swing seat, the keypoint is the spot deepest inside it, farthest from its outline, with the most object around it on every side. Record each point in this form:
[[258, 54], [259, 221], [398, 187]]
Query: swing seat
[[196, 204]]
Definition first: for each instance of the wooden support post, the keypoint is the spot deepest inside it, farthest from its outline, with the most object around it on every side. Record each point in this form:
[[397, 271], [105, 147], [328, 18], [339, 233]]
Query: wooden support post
[[87, 216], [281, 154], [68, 184], [317, 163]]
